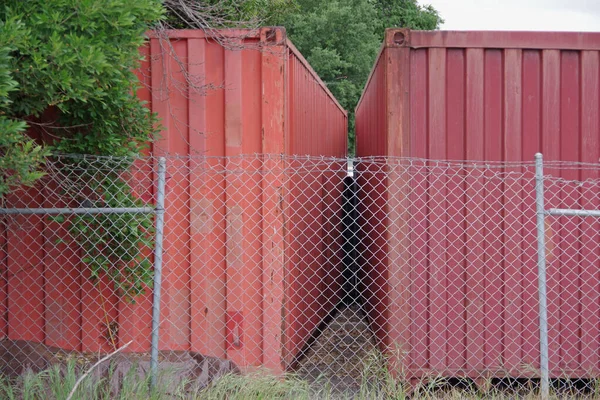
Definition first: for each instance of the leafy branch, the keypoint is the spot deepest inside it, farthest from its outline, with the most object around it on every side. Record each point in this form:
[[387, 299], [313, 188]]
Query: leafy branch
[[117, 246]]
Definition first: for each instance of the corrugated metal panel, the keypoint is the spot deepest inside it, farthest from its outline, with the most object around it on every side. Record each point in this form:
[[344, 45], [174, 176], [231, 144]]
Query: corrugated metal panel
[[298, 115], [317, 119], [473, 89], [216, 280], [370, 124], [494, 96], [25, 272], [317, 127]]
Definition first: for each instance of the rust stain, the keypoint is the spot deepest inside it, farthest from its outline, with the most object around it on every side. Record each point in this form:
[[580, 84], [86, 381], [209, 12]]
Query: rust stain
[[235, 236], [202, 211]]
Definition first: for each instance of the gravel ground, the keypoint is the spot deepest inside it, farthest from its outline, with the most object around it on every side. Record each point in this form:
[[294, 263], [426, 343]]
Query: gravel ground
[[337, 358]]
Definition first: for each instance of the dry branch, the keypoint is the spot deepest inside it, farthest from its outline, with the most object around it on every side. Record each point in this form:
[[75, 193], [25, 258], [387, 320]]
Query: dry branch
[[82, 377]]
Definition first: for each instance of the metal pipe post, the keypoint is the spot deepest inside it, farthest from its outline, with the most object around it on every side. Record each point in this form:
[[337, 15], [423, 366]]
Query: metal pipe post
[[541, 253], [158, 258]]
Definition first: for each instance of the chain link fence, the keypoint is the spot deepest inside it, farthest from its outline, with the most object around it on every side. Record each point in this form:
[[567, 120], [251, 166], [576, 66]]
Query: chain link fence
[[427, 269]]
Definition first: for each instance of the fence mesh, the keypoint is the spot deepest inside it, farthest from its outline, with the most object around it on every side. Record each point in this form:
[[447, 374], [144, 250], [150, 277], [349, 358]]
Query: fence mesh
[[573, 270], [427, 269], [77, 281]]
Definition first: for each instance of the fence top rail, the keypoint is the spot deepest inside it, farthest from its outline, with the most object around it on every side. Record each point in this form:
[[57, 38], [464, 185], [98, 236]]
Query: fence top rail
[[79, 211], [299, 157], [89, 181], [573, 213]]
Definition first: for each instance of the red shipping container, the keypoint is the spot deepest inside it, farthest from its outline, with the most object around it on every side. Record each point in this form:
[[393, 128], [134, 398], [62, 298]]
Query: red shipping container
[[488, 96], [239, 305], [230, 288]]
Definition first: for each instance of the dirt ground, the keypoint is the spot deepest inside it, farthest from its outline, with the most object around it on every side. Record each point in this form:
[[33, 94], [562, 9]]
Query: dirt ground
[[337, 358]]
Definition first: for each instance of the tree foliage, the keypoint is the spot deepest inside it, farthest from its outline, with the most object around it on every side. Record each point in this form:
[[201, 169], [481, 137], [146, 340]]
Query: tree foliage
[[19, 154], [406, 14], [341, 38], [66, 68]]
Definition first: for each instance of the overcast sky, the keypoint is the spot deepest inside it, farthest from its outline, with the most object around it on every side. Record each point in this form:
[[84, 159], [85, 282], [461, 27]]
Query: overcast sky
[[538, 15]]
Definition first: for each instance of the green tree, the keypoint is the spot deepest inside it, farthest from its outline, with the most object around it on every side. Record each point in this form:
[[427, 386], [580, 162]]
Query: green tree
[[19, 154], [73, 62], [341, 38], [406, 14]]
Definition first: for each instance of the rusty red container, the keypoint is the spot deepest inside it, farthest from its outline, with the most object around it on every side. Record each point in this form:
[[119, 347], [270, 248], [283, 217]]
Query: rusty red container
[[249, 309], [486, 96], [230, 289]]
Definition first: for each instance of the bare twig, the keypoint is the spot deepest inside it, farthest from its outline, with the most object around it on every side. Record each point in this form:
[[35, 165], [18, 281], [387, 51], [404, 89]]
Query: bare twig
[[211, 18], [82, 377], [52, 125]]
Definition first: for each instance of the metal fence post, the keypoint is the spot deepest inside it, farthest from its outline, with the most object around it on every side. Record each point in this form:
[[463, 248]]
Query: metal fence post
[[541, 261], [158, 253]]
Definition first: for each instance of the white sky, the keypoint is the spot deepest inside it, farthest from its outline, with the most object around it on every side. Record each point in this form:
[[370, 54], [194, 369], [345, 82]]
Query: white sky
[[537, 15]]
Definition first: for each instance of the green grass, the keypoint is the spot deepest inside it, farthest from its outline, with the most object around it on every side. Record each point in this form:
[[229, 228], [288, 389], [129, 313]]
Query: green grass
[[377, 383], [56, 384], [256, 386]]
